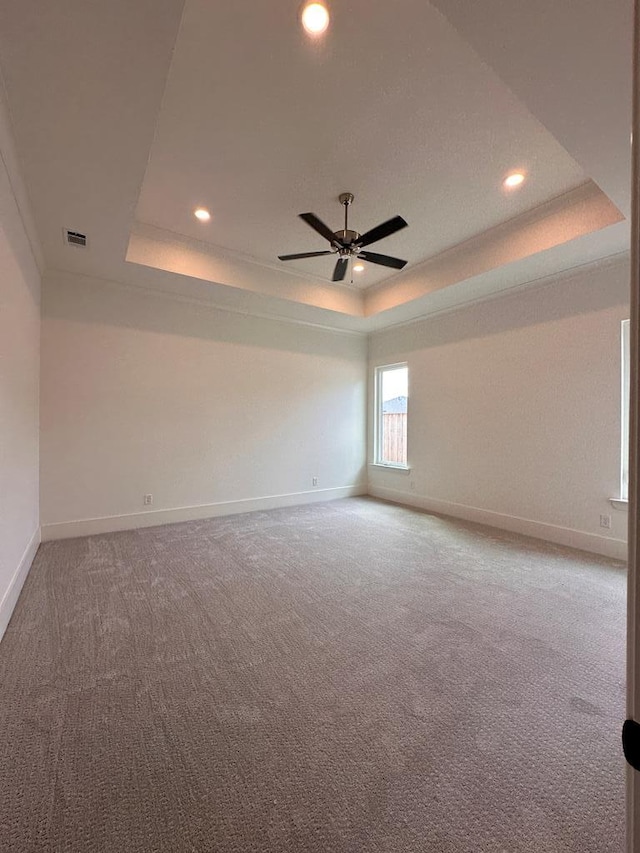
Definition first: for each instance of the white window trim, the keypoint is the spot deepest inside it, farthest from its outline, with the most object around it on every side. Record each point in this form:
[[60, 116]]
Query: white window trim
[[624, 425], [622, 502], [619, 503], [377, 432]]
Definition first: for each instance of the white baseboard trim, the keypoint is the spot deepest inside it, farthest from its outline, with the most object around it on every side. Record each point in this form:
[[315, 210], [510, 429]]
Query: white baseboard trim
[[153, 518], [580, 539], [10, 598]]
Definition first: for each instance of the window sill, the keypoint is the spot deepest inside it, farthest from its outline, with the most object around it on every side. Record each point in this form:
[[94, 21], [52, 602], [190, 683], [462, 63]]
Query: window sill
[[619, 503], [403, 469]]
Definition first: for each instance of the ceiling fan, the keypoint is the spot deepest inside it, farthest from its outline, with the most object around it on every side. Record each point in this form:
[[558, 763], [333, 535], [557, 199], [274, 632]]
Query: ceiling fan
[[349, 244]]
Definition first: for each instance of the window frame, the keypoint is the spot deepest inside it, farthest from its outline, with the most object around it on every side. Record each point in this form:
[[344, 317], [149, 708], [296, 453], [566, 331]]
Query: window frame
[[379, 372], [625, 358]]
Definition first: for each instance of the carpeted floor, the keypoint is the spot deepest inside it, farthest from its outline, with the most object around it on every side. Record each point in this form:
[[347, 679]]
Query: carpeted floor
[[350, 676]]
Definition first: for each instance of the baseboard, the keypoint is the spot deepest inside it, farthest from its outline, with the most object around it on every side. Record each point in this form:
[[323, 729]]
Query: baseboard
[[10, 598], [604, 545], [153, 518]]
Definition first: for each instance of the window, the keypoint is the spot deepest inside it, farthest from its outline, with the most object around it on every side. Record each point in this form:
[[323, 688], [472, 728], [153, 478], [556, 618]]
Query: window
[[624, 443], [391, 397]]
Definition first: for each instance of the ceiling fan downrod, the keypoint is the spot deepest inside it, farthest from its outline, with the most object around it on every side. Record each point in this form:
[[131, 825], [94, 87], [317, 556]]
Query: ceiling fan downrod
[[347, 237]]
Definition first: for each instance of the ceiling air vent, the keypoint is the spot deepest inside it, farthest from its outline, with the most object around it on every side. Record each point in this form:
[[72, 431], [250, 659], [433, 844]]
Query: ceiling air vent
[[75, 238]]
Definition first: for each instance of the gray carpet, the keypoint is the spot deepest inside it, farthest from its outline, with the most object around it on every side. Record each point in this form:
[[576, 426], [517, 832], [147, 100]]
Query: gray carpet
[[350, 676]]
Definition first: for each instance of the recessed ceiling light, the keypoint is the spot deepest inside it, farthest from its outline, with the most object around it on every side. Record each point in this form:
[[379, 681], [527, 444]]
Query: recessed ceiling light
[[315, 18], [515, 179], [358, 267], [202, 214]]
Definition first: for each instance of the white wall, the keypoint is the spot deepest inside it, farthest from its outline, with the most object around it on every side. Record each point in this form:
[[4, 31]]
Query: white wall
[[514, 410], [19, 376], [207, 410]]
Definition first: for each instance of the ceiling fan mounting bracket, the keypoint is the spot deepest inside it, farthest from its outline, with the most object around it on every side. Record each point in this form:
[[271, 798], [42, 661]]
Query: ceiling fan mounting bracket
[[346, 198]]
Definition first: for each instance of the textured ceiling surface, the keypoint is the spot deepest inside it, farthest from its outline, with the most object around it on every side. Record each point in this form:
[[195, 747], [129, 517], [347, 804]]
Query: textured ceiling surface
[[407, 117], [127, 116]]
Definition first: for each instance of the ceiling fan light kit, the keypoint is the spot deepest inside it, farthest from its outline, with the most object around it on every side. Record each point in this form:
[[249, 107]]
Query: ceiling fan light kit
[[348, 244]]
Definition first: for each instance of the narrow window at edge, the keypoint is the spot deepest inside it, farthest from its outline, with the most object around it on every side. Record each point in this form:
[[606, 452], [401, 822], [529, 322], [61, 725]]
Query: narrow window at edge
[[624, 443], [392, 396]]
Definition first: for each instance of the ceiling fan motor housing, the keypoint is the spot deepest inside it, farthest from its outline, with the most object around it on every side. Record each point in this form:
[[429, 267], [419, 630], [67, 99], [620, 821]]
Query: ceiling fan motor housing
[[346, 237]]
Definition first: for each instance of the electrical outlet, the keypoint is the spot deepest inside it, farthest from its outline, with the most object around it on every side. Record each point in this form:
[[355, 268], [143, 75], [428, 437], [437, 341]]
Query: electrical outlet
[[148, 500], [314, 481], [605, 521]]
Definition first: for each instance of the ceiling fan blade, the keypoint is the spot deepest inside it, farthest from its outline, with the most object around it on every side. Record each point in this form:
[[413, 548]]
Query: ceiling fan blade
[[303, 255], [384, 230], [319, 226], [383, 260], [340, 269]]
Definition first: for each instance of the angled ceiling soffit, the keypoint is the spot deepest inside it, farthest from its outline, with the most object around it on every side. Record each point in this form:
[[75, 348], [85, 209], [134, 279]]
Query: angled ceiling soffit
[[163, 250], [576, 213]]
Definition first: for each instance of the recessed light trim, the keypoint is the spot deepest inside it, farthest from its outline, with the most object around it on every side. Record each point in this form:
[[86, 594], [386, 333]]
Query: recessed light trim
[[358, 267], [515, 179], [202, 214], [315, 18]]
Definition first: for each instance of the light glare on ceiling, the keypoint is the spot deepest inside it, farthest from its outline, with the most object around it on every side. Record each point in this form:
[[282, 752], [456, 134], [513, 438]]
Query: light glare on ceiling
[[202, 214], [358, 267], [515, 179], [315, 18]]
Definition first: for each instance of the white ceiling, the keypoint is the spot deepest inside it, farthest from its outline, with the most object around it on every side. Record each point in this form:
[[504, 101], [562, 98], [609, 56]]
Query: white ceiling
[[408, 118], [129, 114]]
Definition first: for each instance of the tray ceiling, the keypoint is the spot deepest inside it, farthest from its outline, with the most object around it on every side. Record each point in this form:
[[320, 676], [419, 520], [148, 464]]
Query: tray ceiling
[[127, 118]]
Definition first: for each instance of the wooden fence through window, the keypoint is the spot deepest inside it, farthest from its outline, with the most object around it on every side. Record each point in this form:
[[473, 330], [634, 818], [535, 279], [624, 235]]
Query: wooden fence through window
[[394, 438]]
